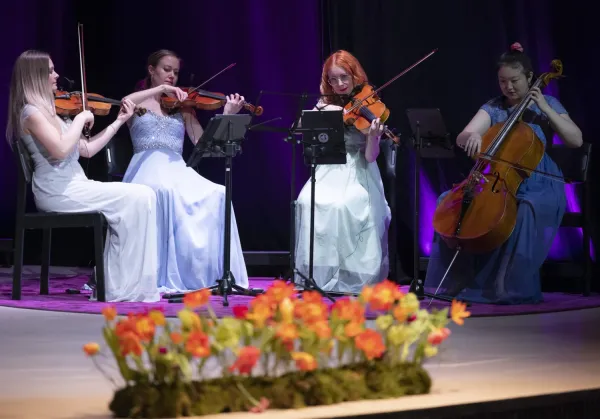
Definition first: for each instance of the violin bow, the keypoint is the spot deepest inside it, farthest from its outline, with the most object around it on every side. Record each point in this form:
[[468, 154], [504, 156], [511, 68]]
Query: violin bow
[[222, 71], [523, 168], [86, 130], [396, 77]]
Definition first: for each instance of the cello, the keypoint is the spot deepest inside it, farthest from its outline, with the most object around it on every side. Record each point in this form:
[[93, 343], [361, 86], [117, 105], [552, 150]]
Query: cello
[[480, 213]]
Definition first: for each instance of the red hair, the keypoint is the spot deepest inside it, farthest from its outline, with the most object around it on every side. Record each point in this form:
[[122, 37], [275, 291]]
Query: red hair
[[346, 61]]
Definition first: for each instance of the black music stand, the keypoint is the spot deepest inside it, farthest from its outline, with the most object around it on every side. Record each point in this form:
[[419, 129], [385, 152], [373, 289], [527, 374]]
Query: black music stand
[[430, 141], [222, 137], [323, 143]]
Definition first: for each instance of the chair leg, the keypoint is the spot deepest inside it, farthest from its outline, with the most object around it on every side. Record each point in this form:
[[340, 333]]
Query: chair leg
[[45, 274], [18, 262], [99, 256]]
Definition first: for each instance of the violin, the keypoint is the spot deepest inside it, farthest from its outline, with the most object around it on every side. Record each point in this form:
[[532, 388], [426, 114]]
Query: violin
[[202, 99], [70, 104], [365, 105], [479, 214]]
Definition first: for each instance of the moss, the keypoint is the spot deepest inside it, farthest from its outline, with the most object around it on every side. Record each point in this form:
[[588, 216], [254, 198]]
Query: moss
[[370, 380]]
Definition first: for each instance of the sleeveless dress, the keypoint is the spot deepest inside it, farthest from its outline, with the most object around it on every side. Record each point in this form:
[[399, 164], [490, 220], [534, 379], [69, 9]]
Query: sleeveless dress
[[509, 274], [130, 252], [191, 209], [351, 222]]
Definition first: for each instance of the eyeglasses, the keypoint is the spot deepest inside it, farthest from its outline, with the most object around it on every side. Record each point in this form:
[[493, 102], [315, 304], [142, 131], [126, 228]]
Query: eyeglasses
[[344, 79]]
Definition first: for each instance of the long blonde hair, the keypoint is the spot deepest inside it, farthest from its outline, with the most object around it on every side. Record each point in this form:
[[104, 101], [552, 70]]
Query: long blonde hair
[[29, 85]]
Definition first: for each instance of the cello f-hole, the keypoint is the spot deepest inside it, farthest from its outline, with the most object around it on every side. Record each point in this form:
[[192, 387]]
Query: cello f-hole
[[495, 182]]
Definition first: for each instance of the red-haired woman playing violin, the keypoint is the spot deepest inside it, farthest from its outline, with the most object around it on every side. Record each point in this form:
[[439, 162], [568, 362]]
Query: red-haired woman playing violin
[[351, 213], [190, 221]]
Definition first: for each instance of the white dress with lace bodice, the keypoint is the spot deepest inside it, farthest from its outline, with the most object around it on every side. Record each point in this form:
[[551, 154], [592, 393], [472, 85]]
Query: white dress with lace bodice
[[130, 253]]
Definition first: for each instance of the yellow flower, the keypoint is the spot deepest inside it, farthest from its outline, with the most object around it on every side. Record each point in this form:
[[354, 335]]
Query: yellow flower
[[398, 334], [286, 308], [91, 348], [228, 333], [157, 317], [410, 303], [383, 322], [189, 320], [431, 351]]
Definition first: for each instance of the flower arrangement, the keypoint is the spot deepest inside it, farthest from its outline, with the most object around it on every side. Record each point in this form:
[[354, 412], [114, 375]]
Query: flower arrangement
[[281, 352]]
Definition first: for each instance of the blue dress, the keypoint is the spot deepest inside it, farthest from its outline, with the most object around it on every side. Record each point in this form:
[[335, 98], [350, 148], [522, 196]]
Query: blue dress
[[509, 274], [191, 209]]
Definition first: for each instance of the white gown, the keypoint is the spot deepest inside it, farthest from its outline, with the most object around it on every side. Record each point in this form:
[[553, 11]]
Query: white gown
[[351, 222], [130, 253]]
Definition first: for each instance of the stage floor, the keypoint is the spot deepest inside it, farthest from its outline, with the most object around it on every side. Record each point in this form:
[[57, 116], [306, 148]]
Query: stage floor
[[44, 373]]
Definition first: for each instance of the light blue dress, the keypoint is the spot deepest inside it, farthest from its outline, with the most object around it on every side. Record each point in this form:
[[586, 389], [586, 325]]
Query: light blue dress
[[191, 209], [509, 274]]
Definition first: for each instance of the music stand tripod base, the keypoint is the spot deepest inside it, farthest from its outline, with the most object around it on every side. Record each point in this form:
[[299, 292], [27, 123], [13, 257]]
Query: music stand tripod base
[[223, 134], [323, 141]]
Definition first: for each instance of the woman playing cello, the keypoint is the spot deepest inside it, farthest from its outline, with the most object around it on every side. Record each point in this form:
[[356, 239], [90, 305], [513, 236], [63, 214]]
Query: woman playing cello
[[509, 274]]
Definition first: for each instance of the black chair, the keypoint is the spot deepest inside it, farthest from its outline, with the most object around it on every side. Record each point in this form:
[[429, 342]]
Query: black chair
[[574, 163], [387, 167], [117, 153], [47, 221]]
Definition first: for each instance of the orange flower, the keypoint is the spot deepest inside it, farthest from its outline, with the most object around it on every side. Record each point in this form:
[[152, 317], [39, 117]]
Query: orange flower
[[371, 343], [347, 309], [196, 299], [321, 329], [438, 336], [458, 312], [400, 314], [353, 329], [287, 332], [312, 308], [260, 313], [109, 312], [365, 294], [157, 317], [304, 361], [145, 329], [246, 360], [130, 344], [91, 348], [176, 338], [279, 291], [198, 345], [385, 294]]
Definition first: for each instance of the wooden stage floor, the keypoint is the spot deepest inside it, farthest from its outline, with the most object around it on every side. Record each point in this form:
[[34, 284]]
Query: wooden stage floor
[[44, 374]]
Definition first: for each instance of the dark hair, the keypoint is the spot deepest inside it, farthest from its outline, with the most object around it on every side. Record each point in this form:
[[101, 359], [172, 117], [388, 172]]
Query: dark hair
[[153, 60], [516, 58]]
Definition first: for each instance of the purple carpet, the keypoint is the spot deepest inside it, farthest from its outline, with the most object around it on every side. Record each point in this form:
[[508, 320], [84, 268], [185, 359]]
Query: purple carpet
[[59, 300]]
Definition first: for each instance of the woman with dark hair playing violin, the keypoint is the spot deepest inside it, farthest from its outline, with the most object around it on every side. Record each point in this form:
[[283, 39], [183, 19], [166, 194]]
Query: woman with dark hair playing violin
[[59, 183], [510, 273], [351, 213], [190, 221]]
